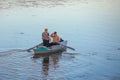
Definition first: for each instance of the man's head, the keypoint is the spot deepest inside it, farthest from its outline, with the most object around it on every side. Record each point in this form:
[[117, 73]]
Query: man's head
[[46, 30], [55, 33]]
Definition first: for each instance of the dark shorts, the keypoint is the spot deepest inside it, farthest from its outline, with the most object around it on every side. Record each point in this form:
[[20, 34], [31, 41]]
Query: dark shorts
[[46, 43]]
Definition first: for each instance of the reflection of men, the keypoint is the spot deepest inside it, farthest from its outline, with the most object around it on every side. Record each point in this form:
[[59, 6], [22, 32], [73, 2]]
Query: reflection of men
[[45, 38], [45, 66]]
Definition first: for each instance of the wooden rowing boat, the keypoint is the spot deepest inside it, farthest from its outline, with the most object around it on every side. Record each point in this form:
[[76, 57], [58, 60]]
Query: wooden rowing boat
[[52, 49]]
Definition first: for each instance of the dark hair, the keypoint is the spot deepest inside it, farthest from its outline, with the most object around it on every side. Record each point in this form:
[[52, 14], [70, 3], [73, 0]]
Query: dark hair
[[55, 32]]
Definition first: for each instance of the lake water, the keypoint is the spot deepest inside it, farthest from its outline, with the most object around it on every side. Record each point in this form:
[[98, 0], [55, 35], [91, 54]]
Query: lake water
[[92, 27]]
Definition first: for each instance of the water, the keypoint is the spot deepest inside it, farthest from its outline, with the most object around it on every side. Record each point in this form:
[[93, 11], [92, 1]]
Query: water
[[91, 27]]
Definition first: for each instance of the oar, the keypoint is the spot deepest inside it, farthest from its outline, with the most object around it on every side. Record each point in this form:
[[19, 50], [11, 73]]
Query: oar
[[68, 47], [34, 47]]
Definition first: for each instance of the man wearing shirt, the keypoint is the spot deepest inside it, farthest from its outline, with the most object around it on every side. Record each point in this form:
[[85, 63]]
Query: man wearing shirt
[[45, 38]]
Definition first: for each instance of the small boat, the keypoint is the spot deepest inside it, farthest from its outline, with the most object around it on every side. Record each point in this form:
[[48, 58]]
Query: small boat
[[53, 49]]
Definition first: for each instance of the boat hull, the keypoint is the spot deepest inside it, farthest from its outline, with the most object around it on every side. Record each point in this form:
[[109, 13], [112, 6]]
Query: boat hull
[[53, 49]]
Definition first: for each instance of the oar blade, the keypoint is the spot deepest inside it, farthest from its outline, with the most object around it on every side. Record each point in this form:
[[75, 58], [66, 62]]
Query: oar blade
[[70, 48]]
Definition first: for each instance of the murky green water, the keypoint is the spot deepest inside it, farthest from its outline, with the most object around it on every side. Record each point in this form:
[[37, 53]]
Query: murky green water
[[91, 27]]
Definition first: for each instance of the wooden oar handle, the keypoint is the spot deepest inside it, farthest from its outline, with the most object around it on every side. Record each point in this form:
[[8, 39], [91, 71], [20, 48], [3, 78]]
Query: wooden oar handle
[[34, 47]]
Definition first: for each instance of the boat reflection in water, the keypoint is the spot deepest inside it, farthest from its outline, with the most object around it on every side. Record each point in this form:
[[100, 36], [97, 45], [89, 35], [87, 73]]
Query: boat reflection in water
[[49, 61]]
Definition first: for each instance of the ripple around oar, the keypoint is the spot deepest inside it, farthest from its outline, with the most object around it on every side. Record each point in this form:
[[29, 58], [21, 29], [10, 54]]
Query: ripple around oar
[[12, 50], [118, 48], [71, 53], [9, 52], [112, 59]]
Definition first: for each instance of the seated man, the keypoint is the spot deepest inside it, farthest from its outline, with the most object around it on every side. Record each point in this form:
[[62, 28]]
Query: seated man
[[55, 38]]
